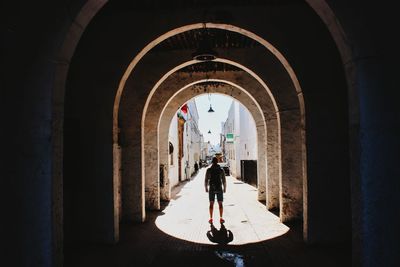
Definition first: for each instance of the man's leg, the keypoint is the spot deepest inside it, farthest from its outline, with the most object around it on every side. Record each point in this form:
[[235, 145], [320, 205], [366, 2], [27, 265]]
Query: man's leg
[[211, 209], [221, 211]]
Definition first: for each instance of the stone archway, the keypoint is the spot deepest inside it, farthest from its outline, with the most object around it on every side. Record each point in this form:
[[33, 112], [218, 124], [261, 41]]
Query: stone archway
[[117, 120], [241, 79], [226, 88], [289, 108], [287, 184]]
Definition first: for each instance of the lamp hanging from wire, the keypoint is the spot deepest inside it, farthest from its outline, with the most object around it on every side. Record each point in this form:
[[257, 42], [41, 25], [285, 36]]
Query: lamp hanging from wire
[[210, 109]]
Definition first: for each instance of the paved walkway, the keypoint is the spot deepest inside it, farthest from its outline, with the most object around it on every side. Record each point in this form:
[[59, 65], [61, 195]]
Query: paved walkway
[[187, 214], [180, 235]]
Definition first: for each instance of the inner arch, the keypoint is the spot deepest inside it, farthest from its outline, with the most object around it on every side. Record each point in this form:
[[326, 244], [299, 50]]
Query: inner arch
[[227, 27], [166, 89], [291, 188], [262, 225]]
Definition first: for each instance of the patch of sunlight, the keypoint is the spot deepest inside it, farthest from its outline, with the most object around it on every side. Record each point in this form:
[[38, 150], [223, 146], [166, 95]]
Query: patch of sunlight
[[247, 220]]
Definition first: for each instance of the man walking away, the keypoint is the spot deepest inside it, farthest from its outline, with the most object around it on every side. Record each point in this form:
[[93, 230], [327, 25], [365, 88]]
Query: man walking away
[[214, 180]]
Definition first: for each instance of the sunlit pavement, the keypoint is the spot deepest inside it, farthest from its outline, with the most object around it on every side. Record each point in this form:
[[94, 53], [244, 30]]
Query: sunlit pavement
[[177, 236], [186, 215]]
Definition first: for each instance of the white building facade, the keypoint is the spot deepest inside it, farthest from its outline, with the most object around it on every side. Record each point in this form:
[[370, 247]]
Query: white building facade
[[185, 142], [192, 139], [240, 137]]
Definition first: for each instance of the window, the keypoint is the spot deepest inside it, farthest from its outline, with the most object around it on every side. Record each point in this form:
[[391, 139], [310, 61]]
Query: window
[[171, 153]]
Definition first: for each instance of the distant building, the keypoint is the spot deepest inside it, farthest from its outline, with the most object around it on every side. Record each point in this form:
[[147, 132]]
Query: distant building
[[192, 139], [204, 150], [238, 138], [186, 141]]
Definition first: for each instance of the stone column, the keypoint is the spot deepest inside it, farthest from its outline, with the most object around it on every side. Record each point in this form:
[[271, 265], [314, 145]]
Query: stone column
[[291, 186], [273, 160], [261, 162], [164, 159], [133, 208], [151, 169]]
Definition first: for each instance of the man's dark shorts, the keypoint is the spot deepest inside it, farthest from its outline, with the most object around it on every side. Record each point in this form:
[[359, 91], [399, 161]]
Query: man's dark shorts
[[211, 195]]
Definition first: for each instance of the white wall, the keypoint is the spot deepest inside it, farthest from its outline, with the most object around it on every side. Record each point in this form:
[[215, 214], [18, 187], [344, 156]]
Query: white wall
[[173, 138], [237, 139], [186, 151], [248, 135], [192, 141], [230, 127], [196, 137], [242, 125]]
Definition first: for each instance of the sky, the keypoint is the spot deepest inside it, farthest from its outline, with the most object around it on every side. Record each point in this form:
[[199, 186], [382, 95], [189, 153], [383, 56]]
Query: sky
[[212, 121]]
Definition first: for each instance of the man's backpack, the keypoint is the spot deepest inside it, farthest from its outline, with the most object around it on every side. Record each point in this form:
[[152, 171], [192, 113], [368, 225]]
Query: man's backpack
[[215, 179]]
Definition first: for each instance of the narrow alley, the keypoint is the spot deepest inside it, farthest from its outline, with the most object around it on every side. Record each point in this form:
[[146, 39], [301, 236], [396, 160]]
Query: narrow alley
[[111, 106], [177, 235]]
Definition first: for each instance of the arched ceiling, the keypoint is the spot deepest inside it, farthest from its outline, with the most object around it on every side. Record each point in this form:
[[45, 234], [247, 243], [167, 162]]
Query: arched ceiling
[[218, 38], [165, 5], [215, 39]]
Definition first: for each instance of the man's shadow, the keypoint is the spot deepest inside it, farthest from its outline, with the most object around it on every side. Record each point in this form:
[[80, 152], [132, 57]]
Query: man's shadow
[[221, 236]]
